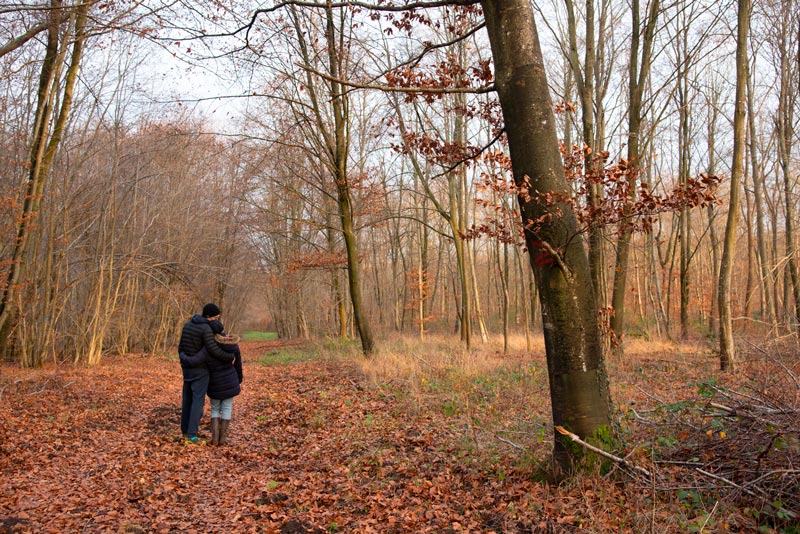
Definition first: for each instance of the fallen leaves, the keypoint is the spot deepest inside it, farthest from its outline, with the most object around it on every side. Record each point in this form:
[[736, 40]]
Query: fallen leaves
[[99, 450]]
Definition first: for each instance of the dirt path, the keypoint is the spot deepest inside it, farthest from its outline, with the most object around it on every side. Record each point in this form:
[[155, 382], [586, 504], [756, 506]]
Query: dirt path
[[312, 450]]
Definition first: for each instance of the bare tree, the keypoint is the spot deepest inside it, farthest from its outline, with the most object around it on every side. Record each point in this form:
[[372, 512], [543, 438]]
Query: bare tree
[[727, 349], [45, 142], [641, 52], [787, 44]]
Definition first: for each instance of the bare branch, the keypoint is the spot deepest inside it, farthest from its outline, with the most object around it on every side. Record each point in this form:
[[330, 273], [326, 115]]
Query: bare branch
[[622, 461], [13, 44]]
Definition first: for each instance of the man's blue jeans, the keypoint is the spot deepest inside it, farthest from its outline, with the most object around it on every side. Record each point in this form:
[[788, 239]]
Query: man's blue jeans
[[195, 385]]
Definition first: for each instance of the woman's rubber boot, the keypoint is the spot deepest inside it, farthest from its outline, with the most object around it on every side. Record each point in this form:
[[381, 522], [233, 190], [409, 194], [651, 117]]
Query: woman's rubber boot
[[223, 431], [215, 428]]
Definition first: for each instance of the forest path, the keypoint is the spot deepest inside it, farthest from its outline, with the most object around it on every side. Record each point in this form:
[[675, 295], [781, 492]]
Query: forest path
[[312, 449]]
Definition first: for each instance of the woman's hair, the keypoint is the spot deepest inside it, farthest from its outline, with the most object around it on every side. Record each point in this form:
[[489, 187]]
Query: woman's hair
[[216, 326]]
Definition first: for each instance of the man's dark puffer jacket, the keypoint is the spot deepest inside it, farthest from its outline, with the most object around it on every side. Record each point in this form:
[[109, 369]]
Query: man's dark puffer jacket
[[197, 334]]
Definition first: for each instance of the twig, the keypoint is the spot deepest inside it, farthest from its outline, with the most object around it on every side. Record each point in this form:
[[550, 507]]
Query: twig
[[728, 482], [44, 387], [356, 385], [651, 396], [640, 418], [771, 473], [622, 461], [708, 516], [738, 413], [731, 483], [509, 442], [754, 400], [775, 360]]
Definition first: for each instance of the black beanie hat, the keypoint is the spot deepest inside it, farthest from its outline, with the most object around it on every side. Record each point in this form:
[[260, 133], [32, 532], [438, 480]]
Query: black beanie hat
[[210, 310]]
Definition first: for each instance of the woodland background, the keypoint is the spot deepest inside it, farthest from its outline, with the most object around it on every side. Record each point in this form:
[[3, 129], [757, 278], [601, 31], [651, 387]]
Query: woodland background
[[150, 202], [340, 175]]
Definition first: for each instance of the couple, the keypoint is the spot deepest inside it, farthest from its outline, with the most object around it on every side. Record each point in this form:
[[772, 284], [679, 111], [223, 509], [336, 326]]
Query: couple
[[211, 363]]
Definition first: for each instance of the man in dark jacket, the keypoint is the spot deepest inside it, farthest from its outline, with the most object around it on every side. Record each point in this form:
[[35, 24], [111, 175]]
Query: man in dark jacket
[[197, 335]]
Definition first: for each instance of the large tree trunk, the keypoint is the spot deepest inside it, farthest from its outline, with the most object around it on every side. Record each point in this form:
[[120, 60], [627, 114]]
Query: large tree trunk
[[727, 349], [578, 382]]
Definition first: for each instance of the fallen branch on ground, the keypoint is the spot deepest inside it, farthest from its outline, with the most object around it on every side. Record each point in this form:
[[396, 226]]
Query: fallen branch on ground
[[622, 461]]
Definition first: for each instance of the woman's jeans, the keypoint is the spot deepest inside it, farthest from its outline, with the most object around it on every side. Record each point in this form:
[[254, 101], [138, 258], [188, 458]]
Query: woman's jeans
[[222, 408], [195, 385]]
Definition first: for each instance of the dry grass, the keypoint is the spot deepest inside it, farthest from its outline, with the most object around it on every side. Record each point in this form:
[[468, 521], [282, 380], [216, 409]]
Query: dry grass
[[497, 408], [412, 358]]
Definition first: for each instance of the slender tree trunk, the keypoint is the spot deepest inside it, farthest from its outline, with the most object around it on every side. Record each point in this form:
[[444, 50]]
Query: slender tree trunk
[[43, 150], [579, 389], [684, 165], [340, 107], [459, 138], [585, 80], [638, 73], [503, 274], [727, 349], [767, 280], [340, 309], [747, 214], [785, 125], [463, 270], [526, 299], [376, 270], [713, 111]]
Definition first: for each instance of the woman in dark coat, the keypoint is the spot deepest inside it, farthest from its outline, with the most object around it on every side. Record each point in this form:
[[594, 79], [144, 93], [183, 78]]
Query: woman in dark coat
[[224, 384]]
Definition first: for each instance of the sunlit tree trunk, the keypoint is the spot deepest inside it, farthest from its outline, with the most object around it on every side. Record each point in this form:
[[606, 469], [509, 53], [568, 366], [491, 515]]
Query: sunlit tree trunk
[[638, 73], [45, 144], [767, 279], [727, 349]]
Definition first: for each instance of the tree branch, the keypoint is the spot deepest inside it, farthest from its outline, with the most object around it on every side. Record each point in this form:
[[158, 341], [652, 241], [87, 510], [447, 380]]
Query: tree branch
[[396, 89], [622, 461]]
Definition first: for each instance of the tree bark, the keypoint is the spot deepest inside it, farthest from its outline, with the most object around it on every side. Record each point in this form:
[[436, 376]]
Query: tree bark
[[727, 349], [638, 73], [43, 150], [579, 389]]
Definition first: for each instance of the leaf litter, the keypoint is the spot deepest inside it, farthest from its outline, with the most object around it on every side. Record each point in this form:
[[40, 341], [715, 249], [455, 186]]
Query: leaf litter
[[313, 448]]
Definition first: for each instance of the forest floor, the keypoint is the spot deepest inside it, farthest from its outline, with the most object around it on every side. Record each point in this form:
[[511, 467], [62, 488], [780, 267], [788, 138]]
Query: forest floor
[[328, 444]]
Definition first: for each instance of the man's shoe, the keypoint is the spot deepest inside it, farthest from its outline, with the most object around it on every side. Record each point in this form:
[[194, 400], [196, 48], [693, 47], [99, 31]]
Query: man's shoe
[[195, 441]]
